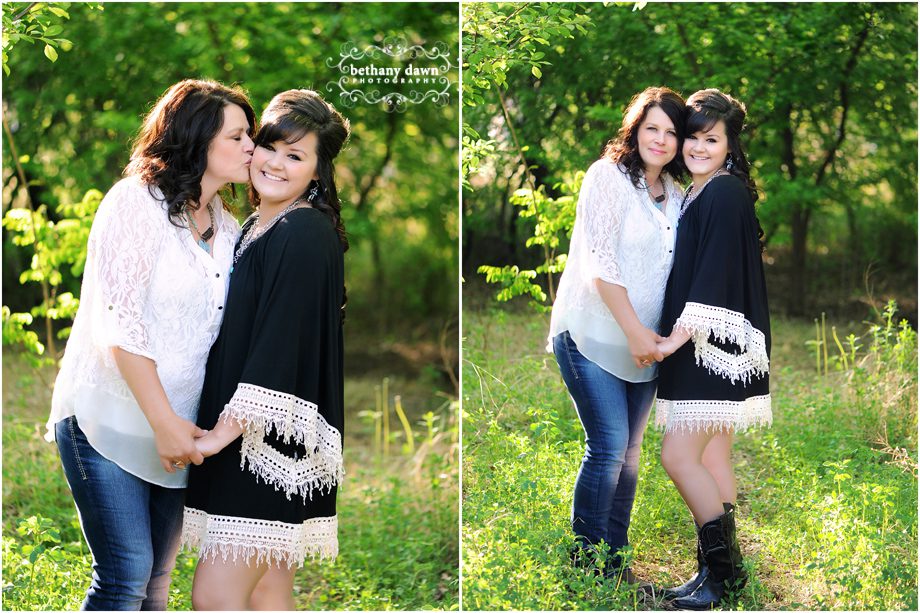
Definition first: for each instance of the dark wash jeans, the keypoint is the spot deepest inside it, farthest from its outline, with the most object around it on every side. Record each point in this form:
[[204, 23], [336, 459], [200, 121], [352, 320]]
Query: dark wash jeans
[[132, 527], [614, 414]]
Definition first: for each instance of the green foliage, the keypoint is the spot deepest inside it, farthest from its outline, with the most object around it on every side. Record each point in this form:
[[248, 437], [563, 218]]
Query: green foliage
[[398, 177], [553, 221], [40, 572], [826, 517], [57, 247], [33, 22], [828, 89], [502, 37]]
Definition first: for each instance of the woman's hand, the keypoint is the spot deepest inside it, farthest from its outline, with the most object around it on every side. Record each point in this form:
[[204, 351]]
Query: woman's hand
[[643, 346], [669, 345], [224, 433], [175, 441], [209, 444]]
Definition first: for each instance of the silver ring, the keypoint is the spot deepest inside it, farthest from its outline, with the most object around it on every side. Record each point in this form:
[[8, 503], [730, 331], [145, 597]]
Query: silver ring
[[179, 465]]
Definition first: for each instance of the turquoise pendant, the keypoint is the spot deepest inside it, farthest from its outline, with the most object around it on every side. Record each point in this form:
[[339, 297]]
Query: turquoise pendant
[[204, 245]]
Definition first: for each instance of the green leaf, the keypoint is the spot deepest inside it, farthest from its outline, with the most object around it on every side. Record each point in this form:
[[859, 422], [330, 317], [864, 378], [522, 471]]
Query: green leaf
[[535, 70], [50, 53], [54, 30], [59, 12]]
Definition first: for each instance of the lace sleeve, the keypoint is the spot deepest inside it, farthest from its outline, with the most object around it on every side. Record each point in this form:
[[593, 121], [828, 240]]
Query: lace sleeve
[[283, 390], [602, 205], [124, 247], [719, 304]]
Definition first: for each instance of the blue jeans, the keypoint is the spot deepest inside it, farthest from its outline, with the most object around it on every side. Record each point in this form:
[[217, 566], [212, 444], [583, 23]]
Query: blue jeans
[[614, 414], [132, 527]]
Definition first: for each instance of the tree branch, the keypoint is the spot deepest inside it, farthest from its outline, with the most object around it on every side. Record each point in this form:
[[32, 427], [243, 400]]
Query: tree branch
[[387, 156], [24, 12], [844, 101]]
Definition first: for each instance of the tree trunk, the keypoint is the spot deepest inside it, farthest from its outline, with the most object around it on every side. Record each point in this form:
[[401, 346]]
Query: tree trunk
[[798, 274]]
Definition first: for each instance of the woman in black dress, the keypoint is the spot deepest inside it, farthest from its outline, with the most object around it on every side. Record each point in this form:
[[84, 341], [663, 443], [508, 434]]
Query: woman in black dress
[[264, 499], [719, 383]]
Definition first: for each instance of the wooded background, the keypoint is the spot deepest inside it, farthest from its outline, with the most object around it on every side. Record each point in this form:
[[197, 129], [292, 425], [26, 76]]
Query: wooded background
[[72, 122], [831, 94]]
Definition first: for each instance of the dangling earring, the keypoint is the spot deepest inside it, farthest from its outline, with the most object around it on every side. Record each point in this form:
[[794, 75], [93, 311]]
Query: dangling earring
[[729, 162], [313, 192]]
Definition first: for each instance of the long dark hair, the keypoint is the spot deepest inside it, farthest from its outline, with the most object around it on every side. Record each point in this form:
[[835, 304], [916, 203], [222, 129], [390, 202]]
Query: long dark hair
[[624, 148], [171, 150], [704, 109], [290, 116]]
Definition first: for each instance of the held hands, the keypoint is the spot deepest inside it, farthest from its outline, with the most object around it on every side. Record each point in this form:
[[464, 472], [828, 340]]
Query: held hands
[[224, 433], [209, 444], [643, 346], [669, 345], [175, 441]]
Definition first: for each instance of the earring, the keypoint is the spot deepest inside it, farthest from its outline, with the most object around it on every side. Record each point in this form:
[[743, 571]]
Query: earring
[[729, 162], [313, 193]]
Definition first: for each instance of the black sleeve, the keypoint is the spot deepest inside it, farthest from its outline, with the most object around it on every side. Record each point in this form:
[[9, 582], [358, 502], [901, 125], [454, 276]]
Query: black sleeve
[[288, 385], [719, 305]]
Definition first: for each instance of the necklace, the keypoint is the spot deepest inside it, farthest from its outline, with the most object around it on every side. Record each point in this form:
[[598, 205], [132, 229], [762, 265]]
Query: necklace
[[255, 231], [691, 195], [203, 237], [658, 199]]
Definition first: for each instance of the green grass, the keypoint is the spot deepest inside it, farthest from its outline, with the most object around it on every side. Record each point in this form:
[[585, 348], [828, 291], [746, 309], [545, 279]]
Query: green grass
[[826, 518], [398, 515]]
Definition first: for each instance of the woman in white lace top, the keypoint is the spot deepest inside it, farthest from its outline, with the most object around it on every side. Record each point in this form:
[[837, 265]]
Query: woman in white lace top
[[153, 293], [604, 325]]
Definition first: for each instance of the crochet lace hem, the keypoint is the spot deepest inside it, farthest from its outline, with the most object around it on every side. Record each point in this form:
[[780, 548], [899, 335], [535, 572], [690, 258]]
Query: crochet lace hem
[[261, 411], [703, 320], [259, 541], [706, 415]]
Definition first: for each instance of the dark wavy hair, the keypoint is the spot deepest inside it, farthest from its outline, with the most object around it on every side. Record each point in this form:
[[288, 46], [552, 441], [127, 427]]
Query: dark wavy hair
[[707, 107], [624, 148], [171, 150], [290, 116]]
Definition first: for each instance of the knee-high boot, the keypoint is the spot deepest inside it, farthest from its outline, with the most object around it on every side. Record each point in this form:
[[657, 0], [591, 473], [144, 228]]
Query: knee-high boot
[[701, 572], [724, 565], [701, 569]]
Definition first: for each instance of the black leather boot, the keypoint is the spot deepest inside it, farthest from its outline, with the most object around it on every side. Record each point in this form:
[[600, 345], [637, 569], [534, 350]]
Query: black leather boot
[[714, 542], [701, 572], [731, 536]]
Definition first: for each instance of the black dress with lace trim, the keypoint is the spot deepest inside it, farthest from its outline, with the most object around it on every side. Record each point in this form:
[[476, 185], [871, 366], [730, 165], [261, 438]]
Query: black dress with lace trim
[[720, 378], [276, 368]]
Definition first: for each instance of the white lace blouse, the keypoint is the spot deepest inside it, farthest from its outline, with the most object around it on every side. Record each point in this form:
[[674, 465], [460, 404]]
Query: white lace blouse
[[149, 289], [619, 237]]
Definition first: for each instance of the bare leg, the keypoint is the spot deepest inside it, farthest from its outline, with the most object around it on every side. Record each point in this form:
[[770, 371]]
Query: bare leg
[[717, 458], [224, 586], [682, 459], [274, 591]]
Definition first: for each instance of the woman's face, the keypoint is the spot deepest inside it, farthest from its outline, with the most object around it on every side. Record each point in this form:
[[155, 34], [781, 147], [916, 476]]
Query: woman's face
[[657, 139], [230, 152], [282, 171], [705, 152]]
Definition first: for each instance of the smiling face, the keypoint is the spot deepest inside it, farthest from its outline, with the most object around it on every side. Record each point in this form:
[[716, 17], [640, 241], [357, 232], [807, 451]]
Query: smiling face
[[705, 152], [281, 171], [230, 152], [657, 139]]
